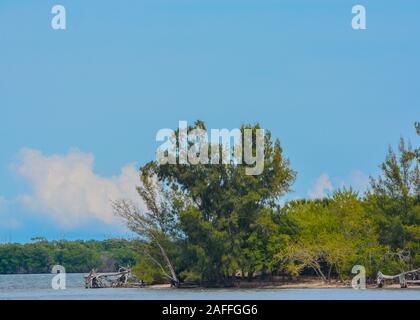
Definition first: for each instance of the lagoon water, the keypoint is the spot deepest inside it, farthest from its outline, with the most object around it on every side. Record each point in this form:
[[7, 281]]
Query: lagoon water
[[38, 286]]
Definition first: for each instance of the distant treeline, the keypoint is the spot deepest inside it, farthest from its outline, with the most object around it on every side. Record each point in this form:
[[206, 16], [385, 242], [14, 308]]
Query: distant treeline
[[75, 256]]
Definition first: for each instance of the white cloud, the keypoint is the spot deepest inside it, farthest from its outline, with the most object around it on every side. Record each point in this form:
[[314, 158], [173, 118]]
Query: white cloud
[[320, 187], [66, 188], [358, 180]]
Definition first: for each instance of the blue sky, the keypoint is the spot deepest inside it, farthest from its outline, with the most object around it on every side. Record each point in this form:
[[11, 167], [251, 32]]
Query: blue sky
[[80, 108]]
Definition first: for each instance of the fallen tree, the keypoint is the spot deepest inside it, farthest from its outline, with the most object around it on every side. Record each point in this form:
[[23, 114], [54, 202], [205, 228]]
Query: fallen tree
[[404, 278], [109, 279]]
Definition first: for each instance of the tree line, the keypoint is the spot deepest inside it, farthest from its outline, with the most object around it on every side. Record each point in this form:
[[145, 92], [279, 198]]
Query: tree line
[[76, 256], [213, 223]]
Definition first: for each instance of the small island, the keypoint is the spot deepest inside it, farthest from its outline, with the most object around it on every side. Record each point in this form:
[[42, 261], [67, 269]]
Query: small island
[[216, 226]]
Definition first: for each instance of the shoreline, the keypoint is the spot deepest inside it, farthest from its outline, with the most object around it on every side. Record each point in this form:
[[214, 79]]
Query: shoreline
[[301, 283], [305, 284]]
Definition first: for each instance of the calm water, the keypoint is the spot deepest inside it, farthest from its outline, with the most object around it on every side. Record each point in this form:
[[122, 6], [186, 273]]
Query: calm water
[[38, 286]]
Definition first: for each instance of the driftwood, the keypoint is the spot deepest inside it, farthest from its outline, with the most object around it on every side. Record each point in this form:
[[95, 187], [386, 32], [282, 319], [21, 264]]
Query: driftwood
[[404, 278], [107, 280]]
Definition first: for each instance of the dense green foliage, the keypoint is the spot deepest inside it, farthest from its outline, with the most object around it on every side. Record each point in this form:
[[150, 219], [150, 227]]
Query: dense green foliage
[[214, 223], [231, 225], [75, 256]]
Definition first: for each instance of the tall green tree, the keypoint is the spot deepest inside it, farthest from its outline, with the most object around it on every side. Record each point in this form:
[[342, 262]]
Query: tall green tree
[[227, 205], [394, 201]]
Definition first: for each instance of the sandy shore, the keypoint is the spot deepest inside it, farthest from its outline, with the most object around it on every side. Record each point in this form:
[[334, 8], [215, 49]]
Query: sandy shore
[[305, 283], [298, 284]]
